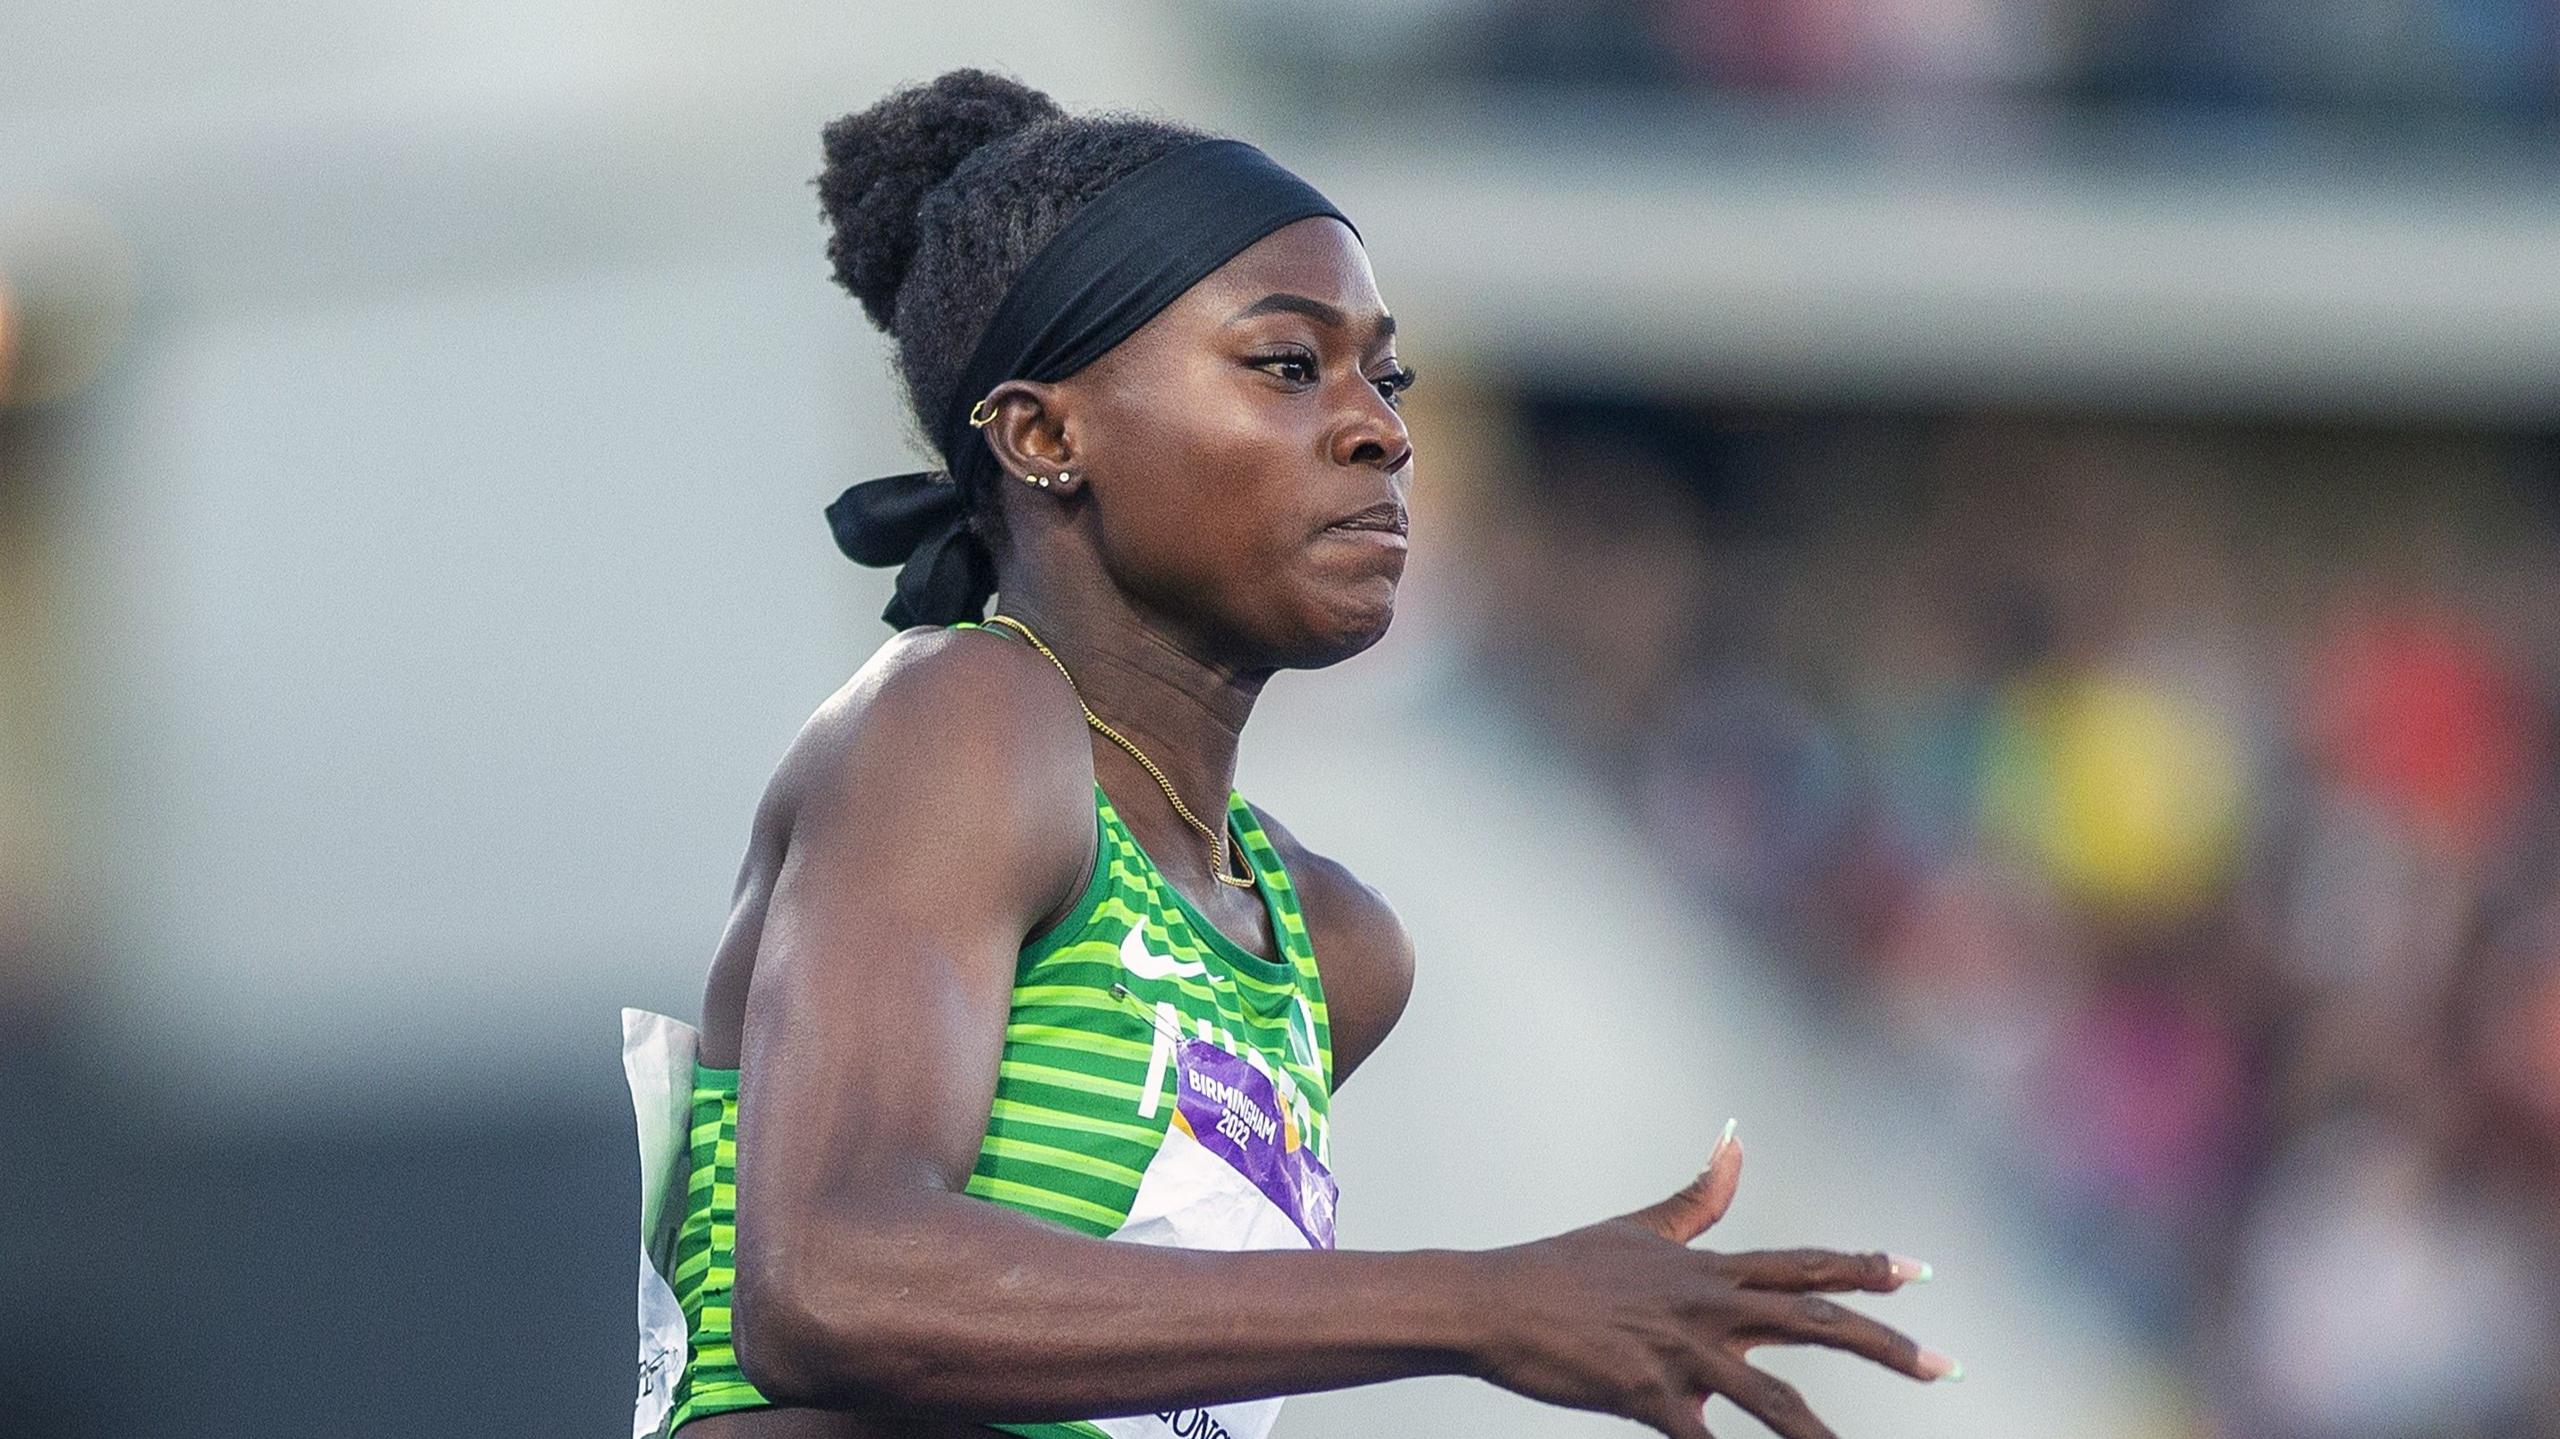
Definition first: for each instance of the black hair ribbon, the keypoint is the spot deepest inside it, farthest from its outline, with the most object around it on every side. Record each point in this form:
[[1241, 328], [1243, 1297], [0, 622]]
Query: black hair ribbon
[[919, 522]]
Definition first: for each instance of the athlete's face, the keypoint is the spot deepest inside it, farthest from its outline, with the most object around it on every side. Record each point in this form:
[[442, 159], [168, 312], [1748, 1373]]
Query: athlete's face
[[1227, 439]]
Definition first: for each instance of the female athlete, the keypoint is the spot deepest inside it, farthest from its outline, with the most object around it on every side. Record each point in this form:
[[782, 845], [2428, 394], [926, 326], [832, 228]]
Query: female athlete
[[1009, 1113]]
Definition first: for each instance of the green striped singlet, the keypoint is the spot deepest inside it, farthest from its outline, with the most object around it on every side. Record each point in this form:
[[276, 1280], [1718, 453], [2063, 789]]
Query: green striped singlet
[[1086, 1090]]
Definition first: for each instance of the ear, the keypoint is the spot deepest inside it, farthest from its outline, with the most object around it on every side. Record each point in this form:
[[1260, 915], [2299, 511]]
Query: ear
[[1029, 432]]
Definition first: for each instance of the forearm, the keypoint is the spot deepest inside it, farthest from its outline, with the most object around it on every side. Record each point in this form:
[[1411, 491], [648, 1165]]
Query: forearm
[[958, 1307]]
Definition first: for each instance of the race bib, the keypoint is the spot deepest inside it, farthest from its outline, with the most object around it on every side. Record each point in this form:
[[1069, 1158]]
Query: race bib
[[1234, 1172]]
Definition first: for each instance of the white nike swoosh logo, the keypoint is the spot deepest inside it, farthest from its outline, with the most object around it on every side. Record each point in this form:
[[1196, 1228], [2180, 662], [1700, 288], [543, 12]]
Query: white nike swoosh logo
[[1147, 964]]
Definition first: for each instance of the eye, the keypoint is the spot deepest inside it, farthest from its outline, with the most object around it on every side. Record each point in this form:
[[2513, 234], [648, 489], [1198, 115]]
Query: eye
[[1298, 358], [1392, 384], [1395, 382]]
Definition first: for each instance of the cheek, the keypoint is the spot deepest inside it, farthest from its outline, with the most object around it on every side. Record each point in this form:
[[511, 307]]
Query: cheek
[[1180, 526], [1208, 480]]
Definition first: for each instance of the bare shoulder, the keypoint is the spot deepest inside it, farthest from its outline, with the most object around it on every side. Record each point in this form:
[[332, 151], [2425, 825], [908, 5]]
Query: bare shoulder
[[1352, 910], [951, 759], [1363, 953], [981, 714], [949, 753]]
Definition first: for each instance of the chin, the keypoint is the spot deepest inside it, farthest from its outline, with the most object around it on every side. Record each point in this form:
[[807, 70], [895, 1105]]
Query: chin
[[1345, 622]]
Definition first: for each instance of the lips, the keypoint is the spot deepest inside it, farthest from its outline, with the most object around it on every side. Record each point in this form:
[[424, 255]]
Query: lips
[[1387, 517]]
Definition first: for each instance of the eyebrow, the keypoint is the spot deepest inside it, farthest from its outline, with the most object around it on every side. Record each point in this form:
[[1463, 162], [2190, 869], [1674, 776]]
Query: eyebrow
[[1283, 301]]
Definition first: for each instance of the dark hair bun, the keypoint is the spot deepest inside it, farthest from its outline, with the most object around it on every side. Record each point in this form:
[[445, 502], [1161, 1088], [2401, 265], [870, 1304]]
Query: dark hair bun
[[882, 161]]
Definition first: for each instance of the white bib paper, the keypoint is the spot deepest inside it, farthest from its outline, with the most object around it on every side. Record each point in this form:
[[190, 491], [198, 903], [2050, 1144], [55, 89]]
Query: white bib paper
[[657, 1061]]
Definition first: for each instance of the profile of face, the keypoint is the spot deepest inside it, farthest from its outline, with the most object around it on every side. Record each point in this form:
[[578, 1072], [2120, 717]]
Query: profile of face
[[1220, 447]]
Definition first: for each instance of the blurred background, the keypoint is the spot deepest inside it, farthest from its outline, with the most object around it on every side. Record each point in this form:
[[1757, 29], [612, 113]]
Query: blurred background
[[1986, 599]]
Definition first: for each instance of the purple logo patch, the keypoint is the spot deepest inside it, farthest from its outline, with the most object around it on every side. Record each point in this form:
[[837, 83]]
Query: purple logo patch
[[1235, 1112]]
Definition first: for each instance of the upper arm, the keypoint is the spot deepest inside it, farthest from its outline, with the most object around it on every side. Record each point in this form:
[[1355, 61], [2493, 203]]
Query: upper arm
[[937, 811], [1363, 953]]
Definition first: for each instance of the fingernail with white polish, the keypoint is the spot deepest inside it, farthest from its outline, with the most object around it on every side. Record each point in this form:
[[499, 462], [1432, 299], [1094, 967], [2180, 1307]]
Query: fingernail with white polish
[[1907, 1270], [1940, 1366]]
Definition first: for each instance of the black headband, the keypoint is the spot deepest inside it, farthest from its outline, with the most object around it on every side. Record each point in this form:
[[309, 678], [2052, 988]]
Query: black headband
[[1134, 249]]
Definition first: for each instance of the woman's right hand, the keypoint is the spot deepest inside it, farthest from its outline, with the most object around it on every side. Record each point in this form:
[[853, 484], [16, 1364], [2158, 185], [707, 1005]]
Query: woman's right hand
[[1623, 1317]]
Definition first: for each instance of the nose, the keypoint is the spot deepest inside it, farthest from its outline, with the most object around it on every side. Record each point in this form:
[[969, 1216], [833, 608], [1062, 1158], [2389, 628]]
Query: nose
[[1374, 434]]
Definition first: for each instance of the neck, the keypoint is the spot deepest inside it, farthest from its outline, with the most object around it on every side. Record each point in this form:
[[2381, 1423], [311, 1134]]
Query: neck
[[1158, 684]]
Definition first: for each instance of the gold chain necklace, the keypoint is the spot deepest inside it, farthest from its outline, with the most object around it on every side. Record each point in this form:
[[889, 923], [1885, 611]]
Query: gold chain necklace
[[1217, 838]]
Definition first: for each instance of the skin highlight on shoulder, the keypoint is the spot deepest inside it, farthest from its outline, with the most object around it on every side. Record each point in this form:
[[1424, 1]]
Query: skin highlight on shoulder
[[988, 720], [938, 689]]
